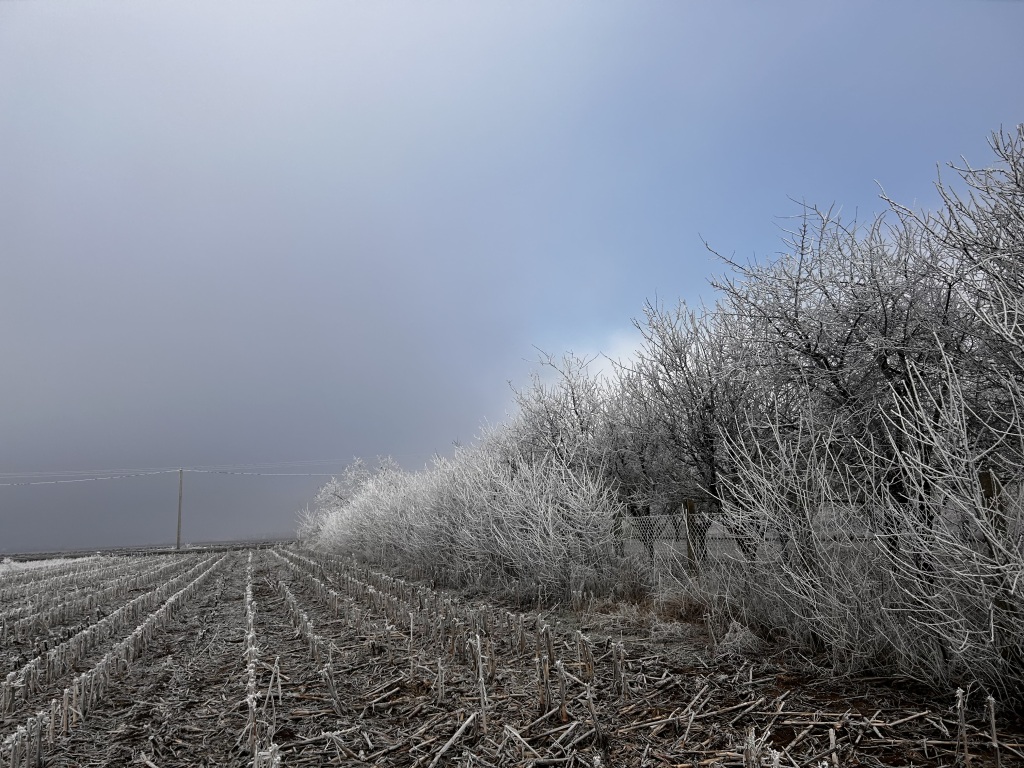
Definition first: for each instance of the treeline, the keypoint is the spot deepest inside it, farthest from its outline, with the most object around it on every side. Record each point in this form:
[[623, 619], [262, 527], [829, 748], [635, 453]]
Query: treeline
[[851, 413]]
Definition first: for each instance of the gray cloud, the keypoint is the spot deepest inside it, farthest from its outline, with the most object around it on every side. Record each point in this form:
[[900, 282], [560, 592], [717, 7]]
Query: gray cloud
[[257, 233]]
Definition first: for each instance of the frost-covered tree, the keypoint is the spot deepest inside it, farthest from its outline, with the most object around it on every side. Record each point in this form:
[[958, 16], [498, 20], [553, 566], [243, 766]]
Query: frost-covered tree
[[687, 374]]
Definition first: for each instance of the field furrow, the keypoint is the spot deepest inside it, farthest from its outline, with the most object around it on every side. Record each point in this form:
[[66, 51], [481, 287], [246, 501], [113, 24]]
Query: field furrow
[[180, 702], [283, 657], [44, 675]]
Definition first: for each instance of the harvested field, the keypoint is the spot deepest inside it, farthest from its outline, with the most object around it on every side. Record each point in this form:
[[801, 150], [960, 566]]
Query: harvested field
[[280, 657]]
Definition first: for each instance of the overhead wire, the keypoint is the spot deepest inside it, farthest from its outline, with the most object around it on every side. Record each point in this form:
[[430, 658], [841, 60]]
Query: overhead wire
[[55, 477], [84, 479], [262, 474], [82, 472]]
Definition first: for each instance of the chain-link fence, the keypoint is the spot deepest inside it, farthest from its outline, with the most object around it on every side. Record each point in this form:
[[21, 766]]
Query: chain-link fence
[[678, 541], [692, 540]]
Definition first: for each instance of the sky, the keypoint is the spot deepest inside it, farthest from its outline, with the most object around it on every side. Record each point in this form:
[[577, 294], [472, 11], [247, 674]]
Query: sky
[[253, 234]]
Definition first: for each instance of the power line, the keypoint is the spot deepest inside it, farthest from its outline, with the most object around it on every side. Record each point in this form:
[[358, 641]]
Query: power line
[[85, 479], [268, 465], [83, 472], [254, 467], [262, 474], [16, 479]]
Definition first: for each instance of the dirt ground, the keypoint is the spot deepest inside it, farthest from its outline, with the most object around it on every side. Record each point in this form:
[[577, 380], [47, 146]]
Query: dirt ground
[[354, 668]]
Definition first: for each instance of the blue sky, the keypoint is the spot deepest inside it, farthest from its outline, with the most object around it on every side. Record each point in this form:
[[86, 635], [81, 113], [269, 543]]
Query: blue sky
[[242, 233]]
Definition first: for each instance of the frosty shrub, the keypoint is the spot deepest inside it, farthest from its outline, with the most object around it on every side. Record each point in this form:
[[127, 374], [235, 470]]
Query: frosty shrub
[[529, 527], [848, 417]]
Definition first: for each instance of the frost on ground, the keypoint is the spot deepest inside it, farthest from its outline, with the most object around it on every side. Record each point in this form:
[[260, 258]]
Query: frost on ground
[[7, 565], [286, 656]]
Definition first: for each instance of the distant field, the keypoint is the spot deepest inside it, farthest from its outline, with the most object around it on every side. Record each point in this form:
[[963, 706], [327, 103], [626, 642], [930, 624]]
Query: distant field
[[207, 546], [282, 657], [10, 565]]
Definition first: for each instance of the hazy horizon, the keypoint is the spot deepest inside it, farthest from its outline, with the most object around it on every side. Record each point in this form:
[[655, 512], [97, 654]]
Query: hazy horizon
[[252, 235]]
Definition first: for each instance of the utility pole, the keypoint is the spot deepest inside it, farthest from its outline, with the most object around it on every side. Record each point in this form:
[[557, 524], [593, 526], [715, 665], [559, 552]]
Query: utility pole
[[181, 480]]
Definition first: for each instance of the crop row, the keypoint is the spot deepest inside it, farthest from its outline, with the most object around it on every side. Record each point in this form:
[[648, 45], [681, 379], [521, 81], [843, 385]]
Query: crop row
[[42, 670], [730, 721], [322, 649], [453, 626], [15, 578], [440, 622], [24, 600], [505, 654], [476, 639], [261, 723], [86, 600], [40, 584], [25, 746], [386, 672]]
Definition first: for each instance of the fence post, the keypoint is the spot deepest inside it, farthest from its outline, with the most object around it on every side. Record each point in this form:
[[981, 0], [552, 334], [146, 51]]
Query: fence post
[[690, 508]]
